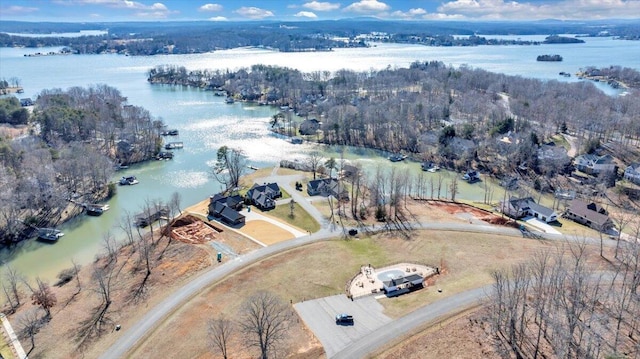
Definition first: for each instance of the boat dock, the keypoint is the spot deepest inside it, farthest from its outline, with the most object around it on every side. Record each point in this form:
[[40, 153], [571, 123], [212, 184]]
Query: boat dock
[[173, 145], [95, 209], [144, 219], [49, 234]]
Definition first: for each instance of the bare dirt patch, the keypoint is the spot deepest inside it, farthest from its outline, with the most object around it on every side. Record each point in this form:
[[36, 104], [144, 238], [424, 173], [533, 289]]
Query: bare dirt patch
[[191, 230], [265, 232]]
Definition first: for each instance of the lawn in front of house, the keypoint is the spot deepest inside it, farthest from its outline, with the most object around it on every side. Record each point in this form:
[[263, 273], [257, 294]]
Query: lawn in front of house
[[302, 219]]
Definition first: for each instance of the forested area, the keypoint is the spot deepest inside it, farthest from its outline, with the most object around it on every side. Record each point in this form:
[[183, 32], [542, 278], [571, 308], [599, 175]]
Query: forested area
[[456, 117], [76, 140], [204, 36], [561, 305]]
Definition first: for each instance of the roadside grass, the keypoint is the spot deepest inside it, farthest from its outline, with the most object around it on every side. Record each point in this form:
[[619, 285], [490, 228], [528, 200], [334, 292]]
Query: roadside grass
[[5, 348], [323, 269], [302, 219]]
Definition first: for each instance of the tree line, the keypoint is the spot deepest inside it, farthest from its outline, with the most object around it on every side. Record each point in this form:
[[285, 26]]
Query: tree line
[[77, 138], [560, 304], [454, 116]]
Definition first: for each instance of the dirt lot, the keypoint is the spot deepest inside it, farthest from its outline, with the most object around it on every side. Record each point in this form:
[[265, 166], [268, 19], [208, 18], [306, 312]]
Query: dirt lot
[[265, 232], [174, 263]]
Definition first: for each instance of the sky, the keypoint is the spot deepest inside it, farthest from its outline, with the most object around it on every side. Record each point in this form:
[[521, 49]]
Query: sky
[[306, 10]]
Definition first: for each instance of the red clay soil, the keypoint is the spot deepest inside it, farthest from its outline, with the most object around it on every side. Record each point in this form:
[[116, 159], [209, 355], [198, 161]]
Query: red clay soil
[[481, 214]]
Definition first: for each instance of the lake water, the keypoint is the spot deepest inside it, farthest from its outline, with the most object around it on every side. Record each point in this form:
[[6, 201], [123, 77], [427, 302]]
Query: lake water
[[206, 122]]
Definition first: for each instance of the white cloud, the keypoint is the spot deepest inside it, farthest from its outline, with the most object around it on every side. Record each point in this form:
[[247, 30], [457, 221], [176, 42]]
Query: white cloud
[[254, 13], [218, 18], [18, 10], [308, 14], [411, 14], [210, 7], [514, 10], [367, 6], [321, 6]]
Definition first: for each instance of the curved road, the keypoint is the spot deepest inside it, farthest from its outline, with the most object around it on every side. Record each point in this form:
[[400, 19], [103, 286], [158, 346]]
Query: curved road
[[402, 326]]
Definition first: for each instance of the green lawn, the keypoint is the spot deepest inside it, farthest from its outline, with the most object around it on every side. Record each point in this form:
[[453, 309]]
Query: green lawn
[[301, 219], [5, 349]]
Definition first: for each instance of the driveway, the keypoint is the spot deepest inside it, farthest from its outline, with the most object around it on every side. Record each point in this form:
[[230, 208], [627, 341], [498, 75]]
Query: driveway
[[541, 225], [319, 315]]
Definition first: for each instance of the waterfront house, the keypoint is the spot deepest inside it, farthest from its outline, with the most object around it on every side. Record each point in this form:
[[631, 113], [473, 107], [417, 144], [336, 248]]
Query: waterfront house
[[264, 196], [226, 208], [632, 173], [523, 207], [594, 164], [327, 187], [589, 214], [26, 102]]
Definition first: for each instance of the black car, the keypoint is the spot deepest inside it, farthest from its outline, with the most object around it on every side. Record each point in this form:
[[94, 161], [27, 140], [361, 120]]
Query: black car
[[344, 319]]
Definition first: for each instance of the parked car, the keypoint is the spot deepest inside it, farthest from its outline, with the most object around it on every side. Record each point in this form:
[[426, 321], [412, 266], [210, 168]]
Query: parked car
[[344, 319]]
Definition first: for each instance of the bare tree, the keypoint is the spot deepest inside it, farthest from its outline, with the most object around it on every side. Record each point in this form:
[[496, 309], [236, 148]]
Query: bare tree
[[11, 287], [313, 160], [220, 334], [29, 323], [229, 167], [264, 322], [44, 297]]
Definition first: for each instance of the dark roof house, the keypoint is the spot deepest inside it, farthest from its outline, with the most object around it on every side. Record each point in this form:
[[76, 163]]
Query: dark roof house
[[405, 284], [226, 208], [327, 187], [264, 196], [589, 214]]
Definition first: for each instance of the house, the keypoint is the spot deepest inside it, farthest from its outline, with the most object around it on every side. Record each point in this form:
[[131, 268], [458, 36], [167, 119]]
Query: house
[[510, 183], [590, 214], [522, 207], [594, 164], [264, 196], [26, 102], [327, 187], [309, 127], [632, 173], [397, 286], [226, 208]]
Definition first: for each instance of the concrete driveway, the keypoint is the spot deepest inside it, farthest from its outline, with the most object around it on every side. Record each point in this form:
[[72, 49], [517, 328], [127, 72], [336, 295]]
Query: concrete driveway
[[319, 315]]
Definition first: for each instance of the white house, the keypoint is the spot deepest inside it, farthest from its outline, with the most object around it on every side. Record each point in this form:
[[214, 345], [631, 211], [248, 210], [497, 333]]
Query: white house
[[522, 207], [632, 173], [594, 164]]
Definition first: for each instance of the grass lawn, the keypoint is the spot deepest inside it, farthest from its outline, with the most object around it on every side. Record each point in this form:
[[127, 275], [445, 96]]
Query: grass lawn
[[302, 219], [5, 349], [322, 269]]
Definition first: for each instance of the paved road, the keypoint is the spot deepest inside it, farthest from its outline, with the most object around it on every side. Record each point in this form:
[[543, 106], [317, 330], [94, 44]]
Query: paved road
[[129, 337], [411, 323], [319, 316]]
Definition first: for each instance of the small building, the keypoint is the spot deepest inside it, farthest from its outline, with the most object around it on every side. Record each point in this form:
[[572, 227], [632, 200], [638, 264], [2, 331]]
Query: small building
[[632, 173], [397, 286], [226, 208], [264, 196], [522, 207], [24, 102], [590, 214], [327, 187], [594, 164]]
